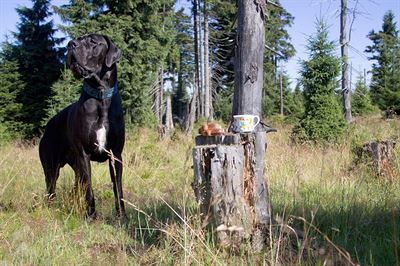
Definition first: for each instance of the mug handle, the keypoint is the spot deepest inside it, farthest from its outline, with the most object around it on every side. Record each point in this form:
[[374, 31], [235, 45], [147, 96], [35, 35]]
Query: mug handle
[[258, 120]]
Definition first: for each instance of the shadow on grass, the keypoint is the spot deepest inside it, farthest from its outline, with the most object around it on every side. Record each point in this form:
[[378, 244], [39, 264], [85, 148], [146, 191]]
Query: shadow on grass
[[371, 236]]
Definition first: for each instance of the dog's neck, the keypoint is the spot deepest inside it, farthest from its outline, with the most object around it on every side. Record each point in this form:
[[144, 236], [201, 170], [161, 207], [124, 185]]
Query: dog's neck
[[106, 79], [104, 87], [99, 94]]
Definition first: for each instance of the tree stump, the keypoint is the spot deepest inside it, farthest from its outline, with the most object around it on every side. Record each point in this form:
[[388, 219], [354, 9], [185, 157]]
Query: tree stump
[[230, 188], [382, 155]]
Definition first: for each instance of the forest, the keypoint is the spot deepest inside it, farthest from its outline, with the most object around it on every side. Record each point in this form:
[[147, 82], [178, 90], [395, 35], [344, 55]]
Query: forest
[[177, 71]]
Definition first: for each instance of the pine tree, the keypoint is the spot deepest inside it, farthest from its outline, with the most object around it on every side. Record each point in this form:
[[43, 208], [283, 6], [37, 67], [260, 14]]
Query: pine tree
[[185, 63], [323, 118], [38, 60], [361, 103], [64, 92], [10, 84], [143, 31], [294, 102], [278, 49], [385, 52], [222, 34]]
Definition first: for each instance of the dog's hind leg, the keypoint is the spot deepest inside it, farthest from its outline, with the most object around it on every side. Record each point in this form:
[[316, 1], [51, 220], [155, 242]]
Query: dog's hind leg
[[84, 180], [51, 172], [116, 177], [51, 176]]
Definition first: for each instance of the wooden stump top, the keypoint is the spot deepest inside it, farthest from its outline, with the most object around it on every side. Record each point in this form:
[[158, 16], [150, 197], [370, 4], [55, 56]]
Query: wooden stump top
[[231, 139]]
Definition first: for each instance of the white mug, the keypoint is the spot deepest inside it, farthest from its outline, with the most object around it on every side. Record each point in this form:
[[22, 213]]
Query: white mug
[[245, 123]]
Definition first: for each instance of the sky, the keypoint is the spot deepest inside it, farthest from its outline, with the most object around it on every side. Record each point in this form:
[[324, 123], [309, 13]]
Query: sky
[[369, 16]]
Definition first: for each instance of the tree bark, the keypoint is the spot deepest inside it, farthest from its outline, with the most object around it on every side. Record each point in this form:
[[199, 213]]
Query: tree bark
[[207, 72], [229, 179], [196, 55], [281, 95], [230, 188], [169, 123], [191, 114], [345, 64], [247, 98]]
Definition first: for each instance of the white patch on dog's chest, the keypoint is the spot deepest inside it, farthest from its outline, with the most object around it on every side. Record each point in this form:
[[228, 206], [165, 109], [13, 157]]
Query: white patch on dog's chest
[[101, 138]]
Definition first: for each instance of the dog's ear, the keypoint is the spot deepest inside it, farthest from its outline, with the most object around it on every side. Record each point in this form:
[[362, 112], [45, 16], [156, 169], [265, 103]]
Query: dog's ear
[[113, 53]]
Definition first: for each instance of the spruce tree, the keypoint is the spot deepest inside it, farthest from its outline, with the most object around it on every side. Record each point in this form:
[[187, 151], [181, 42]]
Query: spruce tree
[[10, 112], [385, 52], [361, 103], [185, 63], [294, 103], [143, 31], [64, 92], [223, 31], [323, 119], [278, 49], [39, 62]]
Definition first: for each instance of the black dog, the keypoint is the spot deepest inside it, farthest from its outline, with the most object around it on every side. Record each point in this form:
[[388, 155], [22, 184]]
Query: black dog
[[85, 130]]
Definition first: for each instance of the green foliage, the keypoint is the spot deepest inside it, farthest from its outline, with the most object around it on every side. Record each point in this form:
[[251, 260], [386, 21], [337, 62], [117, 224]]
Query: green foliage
[[64, 92], [10, 111], [223, 105], [323, 119], [222, 42], [361, 102], [278, 49], [385, 52], [312, 190], [39, 62], [184, 63], [142, 30]]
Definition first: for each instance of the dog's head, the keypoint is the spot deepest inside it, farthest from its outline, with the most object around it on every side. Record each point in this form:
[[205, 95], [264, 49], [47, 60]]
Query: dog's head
[[91, 55]]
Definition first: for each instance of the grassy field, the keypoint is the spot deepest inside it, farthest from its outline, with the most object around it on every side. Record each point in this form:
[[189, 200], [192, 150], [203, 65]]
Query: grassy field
[[316, 190]]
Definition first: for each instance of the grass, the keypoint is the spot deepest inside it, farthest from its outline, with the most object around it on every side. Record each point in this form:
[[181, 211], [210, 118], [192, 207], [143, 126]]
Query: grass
[[314, 189]]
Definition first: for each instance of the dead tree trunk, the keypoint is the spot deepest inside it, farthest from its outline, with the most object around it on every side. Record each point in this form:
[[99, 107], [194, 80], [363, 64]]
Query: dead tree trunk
[[207, 72], [281, 94], [382, 155], [191, 114], [230, 187], [249, 56], [345, 63], [229, 179], [169, 123]]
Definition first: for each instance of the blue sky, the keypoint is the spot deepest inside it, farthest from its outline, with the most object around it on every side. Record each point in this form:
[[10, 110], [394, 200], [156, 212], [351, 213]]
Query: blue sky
[[305, 13]]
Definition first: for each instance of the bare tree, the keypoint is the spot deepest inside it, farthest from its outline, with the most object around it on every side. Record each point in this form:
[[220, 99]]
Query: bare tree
[[345, 64], [247, 98], [207, 72]]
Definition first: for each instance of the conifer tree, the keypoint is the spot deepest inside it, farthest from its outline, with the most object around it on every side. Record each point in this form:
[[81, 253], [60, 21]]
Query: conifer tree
[[39, 62], [64, 92], [385, 52], [294, 102], [323, 118], [185, 63], [143, 31], [278, 49], [10, 111], [361, 103]]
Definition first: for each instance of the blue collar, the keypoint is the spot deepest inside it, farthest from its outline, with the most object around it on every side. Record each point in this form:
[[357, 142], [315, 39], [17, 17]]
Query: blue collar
[[100, 94]]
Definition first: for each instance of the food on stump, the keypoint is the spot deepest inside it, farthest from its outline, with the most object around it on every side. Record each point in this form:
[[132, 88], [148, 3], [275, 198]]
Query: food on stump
[[211, 129]]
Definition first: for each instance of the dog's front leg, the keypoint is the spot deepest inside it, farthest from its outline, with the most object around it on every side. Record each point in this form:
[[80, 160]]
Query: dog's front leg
[[83, 172], [116, 177]]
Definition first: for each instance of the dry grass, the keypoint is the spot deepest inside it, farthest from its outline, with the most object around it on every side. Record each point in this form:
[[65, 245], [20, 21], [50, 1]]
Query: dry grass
[[334, 210]]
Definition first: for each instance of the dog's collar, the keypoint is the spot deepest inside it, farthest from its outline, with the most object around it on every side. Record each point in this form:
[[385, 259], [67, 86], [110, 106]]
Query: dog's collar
[[100, 94]]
